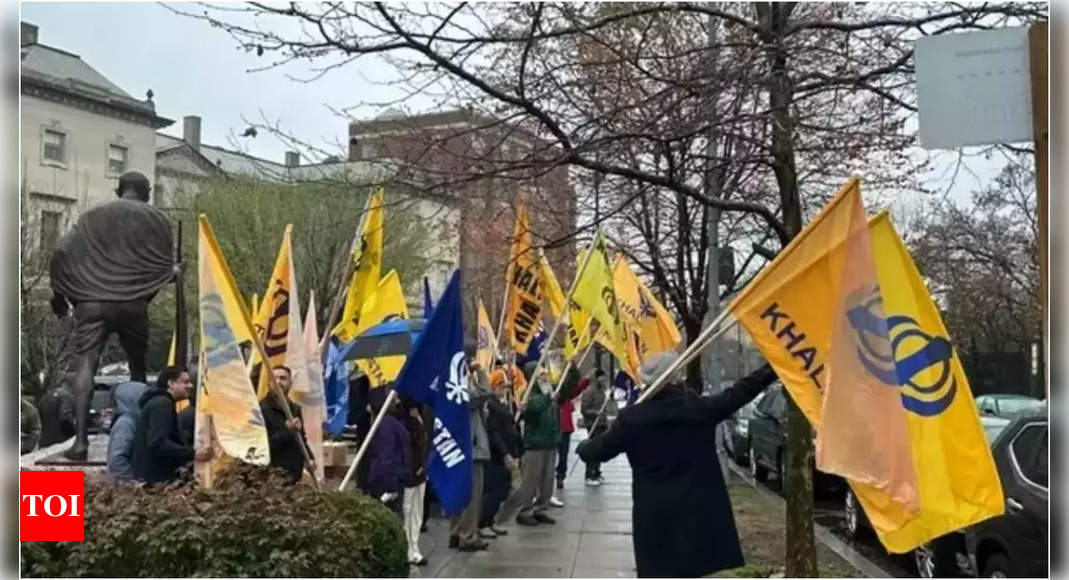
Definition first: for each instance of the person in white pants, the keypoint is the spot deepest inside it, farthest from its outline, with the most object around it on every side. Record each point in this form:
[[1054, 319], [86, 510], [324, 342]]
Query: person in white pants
[[419, 434]]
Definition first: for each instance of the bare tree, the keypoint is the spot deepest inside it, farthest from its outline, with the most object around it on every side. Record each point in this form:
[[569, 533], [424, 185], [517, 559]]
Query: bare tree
[[624, 92]]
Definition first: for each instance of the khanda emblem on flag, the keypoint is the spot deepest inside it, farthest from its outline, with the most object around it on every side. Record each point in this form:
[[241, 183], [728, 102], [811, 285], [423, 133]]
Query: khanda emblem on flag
[[898, 352], [645, 308]]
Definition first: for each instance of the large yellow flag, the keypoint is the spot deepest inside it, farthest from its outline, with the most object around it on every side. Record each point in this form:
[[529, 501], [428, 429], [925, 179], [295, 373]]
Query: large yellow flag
[[795, 309], [228, 412], [595, 294], [278, 324], [368, 267], [387, 302], [523, 284], [312, 396], [647, 318], [484, 355], [550, 285], [958, 484]]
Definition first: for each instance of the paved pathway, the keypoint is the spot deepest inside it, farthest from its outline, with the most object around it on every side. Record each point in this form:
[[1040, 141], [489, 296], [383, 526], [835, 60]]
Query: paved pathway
[[591, 539]]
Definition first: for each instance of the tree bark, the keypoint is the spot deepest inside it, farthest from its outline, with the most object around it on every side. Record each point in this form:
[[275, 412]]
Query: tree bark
[[801, 557]]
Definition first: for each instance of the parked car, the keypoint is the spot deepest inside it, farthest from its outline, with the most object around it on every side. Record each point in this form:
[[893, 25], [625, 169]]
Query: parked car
[[102, 406], [768, 441], [1006, 406], [737, 432]]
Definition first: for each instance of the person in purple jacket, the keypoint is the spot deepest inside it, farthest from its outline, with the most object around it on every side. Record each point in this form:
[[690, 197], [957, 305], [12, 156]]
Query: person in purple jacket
[[389, 461]]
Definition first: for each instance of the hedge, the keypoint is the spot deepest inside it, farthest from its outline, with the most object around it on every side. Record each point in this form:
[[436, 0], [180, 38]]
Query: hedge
[[251, 524]]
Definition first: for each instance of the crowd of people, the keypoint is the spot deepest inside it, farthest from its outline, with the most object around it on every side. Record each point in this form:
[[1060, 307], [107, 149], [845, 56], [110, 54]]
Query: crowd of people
[[521, 428]]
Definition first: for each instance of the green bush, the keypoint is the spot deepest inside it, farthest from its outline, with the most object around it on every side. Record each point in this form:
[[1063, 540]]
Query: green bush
[[252, 524]]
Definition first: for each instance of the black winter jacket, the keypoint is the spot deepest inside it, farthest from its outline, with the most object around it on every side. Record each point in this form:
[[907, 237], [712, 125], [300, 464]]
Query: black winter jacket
[[158, 448], [681, 515]]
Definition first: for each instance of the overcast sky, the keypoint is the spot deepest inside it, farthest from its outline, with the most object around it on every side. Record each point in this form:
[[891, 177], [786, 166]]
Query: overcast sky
[[194, 69]]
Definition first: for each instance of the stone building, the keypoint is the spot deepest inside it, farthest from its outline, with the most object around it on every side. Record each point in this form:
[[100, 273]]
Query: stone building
[[79, 131]]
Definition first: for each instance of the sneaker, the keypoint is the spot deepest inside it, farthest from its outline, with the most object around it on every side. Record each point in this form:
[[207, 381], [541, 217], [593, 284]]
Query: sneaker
[[553, 501], [421, 561], [498, 530], [543, 518], [526, 520], [487, 533], [593, 483]]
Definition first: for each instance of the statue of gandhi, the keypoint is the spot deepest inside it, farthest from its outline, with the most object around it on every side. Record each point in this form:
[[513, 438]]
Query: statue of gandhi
[[104, 274]]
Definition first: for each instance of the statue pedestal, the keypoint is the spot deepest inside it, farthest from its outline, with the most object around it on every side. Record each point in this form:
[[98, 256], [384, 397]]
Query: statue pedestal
[[51, 458]]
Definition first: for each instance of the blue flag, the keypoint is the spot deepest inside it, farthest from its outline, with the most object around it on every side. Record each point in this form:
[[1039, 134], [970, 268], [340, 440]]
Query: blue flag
[[534, 350], [436, 374], [427, 306], [336, 390]]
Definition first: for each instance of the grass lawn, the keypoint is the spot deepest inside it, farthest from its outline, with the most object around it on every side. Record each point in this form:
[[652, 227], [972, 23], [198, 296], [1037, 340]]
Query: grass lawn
[[761, 524]]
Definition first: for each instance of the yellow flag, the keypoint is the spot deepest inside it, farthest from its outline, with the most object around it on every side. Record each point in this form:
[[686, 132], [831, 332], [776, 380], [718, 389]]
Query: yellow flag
[[523, 283], [650, 322], [387, 302], [228, 412], [368, 261], [798, 311], [578, 334], [957, 481], [278, 324], [554, 294], [595, 294], [485, 339]]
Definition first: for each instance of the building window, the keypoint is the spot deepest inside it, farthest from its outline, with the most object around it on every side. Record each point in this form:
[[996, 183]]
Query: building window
[[50, 221], [116, 159], [55, 146]]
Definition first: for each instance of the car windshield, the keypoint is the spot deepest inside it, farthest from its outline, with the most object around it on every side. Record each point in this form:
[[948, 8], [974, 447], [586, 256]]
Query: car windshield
[[1015, 405]]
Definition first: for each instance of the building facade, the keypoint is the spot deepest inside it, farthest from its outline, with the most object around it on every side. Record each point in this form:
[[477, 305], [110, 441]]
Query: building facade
[[79, 132]]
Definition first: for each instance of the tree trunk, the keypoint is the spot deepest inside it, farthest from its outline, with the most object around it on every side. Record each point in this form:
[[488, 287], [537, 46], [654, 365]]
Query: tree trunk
[[801, 557]]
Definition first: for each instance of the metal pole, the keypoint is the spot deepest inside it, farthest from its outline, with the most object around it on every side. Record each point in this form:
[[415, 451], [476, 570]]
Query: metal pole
[[722, 324], [367, 440]]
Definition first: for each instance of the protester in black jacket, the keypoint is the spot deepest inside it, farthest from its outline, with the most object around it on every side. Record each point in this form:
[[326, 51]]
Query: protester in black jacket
[[681, 515], [505, 447], [158, 448], [284, 436]]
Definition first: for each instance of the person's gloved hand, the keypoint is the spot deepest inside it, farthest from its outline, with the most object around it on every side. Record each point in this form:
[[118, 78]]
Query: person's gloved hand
[[388, 497]]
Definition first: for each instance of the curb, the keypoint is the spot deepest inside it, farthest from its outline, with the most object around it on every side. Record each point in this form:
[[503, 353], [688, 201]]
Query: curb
[[866, 567]]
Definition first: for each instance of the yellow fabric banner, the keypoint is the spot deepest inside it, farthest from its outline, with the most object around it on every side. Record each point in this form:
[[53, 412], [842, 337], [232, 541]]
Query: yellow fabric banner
[[958, 484], [647, 318], [799, 312], [387, 302], [278, 323], [228, 412], [368, 260], [523, 283], [484, 339], [595, 294], [550, 285]]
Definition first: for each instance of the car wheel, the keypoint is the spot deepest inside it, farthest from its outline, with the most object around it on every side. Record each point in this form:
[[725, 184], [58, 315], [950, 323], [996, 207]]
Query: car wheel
[[997, 566], [758, 471], [853, 514]]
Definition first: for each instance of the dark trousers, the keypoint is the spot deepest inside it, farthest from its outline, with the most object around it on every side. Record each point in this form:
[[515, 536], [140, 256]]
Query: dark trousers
[[496, 484], [593, 468], [562, 455], [94, 322]]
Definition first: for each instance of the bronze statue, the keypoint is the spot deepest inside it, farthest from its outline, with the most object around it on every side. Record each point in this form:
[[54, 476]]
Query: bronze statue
[[104, 274]]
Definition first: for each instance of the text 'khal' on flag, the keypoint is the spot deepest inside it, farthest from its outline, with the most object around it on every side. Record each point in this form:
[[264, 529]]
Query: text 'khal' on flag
[[523, 285], [228, 413], [436, 374]]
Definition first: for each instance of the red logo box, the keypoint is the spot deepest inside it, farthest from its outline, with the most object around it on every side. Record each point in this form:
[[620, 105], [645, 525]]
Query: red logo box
[[51, 506]]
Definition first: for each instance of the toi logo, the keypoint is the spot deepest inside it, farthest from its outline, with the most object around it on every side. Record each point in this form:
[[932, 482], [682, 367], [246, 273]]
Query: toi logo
[[51, 506]]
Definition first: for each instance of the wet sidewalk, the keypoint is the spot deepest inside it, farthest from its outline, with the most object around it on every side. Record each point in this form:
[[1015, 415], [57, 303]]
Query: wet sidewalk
[[591, 539]]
